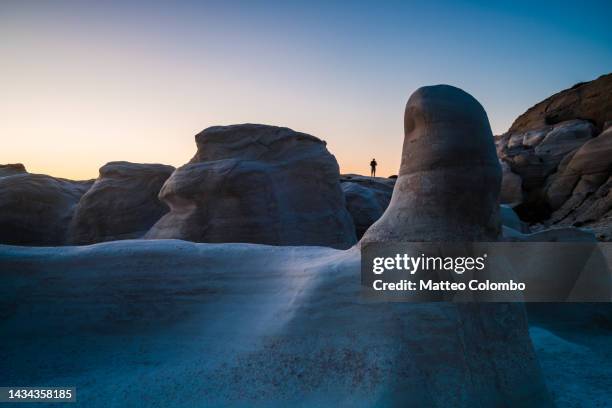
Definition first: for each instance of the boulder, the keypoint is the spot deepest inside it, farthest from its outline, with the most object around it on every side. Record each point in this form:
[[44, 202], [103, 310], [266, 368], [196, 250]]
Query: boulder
[[121, 204], [11, 169], [260, 184], [590, 101], [35, 209], [367, 199]]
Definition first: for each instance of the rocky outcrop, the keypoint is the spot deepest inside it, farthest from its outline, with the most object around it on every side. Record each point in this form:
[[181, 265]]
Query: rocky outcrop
[[247, 315], [449, 180], [588, 101], [563, 159], [535, 155], [367, 198], [260, 184], [121, 204], [11, 169], [35, 209]]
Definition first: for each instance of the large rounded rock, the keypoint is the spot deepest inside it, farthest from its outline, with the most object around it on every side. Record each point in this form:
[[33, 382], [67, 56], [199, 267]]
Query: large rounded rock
[[257, 183], [121, 204], [35, 209], [449, 171], [367, 198]]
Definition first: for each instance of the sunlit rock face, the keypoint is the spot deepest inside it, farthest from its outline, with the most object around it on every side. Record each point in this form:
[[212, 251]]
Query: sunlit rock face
[[449, 180], [35, 209], [257, 325], [259, 184], [121, 204]]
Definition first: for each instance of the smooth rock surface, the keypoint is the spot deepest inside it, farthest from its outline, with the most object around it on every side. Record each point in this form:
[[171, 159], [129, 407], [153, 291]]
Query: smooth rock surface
[[190, 325], [449, 180], [35, 209], [121, 204], [259, 184]]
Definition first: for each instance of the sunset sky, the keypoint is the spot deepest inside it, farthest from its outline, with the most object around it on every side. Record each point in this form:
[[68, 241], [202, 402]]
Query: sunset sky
[[83, 83]]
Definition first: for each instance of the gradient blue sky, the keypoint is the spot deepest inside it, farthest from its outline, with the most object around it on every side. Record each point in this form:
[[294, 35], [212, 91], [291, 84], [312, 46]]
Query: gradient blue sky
[[83, 83]]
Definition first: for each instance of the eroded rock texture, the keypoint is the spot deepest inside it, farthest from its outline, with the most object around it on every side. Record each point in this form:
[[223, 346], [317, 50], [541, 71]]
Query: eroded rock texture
[[121, 204], [260, 184], [562, 151]]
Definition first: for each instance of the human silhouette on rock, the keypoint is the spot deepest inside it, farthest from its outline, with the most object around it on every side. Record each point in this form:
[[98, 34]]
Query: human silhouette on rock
[[373, 165]]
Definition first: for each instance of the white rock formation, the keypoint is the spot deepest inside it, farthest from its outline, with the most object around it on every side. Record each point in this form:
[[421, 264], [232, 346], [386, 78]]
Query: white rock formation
[[259, 184], [185, 324]]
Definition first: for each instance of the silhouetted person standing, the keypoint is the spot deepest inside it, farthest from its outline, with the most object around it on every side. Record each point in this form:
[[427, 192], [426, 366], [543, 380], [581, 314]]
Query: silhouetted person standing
[[373, 165]]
